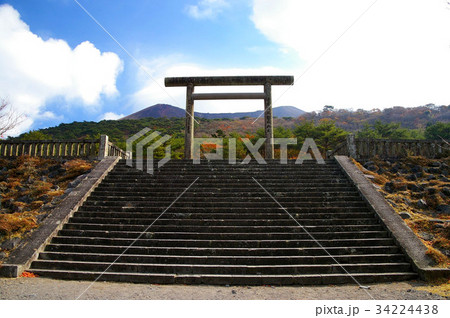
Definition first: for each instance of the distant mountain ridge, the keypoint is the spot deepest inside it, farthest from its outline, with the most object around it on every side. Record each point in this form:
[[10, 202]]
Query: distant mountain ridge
[[165, 110]]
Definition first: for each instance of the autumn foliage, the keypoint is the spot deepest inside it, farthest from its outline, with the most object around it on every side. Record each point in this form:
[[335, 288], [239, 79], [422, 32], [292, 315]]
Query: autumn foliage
[[28, 274]]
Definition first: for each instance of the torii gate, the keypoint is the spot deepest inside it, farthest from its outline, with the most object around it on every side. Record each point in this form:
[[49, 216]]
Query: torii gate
[[191, 82]]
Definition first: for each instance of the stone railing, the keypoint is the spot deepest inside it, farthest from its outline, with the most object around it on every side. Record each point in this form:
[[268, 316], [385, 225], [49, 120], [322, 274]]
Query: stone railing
[[363, 148], [114, 151], [90, 148]]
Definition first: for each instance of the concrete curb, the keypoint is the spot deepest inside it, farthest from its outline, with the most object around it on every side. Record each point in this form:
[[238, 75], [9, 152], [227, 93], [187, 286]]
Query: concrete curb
[[28, 251], [411, 245]]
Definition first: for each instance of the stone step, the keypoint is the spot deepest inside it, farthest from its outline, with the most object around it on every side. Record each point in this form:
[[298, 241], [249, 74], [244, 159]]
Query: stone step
[[146, 278], [190, 205], [201, 198], [242, 182], [220, 168], [212, 259], [229, 175], [225, 162], [256, 216], [181, 209], [127, 199], [221, 229], [211, 173], [221, 236], [210, 251], [249, 170], [130, 192], [312, 187], [225, 222], [221, 243], [224, 172], [234, 269], [226, 167], [275, 191]]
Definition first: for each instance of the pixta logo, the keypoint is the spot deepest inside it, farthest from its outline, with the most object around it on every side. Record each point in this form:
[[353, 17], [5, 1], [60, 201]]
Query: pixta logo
[[214, 149], [141, 143], [217, 143]]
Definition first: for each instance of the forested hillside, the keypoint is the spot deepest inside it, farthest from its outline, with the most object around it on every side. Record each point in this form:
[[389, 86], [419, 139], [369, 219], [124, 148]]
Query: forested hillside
[[413, 117]]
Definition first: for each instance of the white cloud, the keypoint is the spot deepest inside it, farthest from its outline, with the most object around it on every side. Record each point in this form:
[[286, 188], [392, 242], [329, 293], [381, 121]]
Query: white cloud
[[34, 70], [48, 115], [111, 116], [206, 9], [396, 54]]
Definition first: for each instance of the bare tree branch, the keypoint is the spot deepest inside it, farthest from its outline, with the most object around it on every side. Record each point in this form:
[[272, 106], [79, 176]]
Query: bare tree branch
[[8, 117]]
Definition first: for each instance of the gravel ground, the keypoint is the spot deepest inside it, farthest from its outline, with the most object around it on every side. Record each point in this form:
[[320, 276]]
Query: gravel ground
[[44, 288]]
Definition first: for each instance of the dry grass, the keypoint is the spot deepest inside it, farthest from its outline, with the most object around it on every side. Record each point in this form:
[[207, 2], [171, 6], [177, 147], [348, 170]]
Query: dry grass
[[378, 179], [424, 219], [440, 287], [28, 176], [16, 224], [437, 256], [56, 193], [75, 168]]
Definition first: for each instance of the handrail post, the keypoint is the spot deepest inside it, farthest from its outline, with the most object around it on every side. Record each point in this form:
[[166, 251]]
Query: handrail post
[[103, 149], [351, 146]]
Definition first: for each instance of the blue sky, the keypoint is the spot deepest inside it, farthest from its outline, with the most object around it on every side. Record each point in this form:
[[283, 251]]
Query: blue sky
[[60, 66]]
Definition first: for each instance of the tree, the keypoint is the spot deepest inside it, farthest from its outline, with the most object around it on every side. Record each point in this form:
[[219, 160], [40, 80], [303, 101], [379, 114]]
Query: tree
[[328, 108], [326, 135], [8, 118], [219, 134], [380, 130], [438, 131], [35, 135], [368, 132], [281, 132]]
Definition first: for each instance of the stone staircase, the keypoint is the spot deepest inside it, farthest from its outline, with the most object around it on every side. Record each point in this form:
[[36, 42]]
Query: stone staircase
[[225, 228]]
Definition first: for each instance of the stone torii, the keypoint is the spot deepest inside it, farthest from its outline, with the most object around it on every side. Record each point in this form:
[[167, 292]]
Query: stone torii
[[191, 82]]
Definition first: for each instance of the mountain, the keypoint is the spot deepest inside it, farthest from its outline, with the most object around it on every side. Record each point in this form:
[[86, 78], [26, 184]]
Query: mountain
[[287, 111], [158, 111], [164, 110]]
